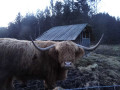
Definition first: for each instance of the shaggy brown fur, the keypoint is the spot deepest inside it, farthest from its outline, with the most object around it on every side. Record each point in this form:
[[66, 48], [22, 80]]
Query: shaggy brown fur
[[20, 59]]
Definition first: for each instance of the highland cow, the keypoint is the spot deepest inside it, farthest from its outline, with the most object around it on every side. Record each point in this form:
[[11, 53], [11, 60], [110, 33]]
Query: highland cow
[[42, 60]]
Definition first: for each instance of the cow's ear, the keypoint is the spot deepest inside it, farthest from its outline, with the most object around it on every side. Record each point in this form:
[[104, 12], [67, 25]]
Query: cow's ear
[[53, 53], [79, 53]]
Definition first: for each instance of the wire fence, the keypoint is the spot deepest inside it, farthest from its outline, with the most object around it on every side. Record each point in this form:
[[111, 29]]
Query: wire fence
[[114, 87]]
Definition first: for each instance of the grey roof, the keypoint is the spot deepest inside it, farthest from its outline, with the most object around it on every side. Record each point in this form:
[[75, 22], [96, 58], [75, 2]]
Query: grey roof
[[68, 32]]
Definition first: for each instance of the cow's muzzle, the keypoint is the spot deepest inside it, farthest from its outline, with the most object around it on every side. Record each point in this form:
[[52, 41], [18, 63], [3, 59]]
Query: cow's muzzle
[[68, 65]]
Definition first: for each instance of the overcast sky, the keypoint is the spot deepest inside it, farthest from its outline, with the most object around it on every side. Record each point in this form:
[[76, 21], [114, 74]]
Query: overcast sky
[[10, 8], [110, 6]]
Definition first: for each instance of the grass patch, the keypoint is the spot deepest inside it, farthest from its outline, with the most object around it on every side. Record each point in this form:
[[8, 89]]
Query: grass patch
[[105, 68], [111, 50]]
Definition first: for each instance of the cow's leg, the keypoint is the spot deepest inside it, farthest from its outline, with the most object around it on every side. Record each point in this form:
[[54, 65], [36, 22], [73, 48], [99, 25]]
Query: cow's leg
[[49, 85], [2, 83], [23, 83], [9, 84], [4, 76]]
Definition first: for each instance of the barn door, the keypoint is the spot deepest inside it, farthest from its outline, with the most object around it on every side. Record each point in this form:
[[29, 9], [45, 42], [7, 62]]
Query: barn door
[[86, 42], [85, 39]]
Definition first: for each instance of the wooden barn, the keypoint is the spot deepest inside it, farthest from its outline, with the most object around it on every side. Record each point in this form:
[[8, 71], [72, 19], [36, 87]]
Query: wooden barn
[[79, 33]]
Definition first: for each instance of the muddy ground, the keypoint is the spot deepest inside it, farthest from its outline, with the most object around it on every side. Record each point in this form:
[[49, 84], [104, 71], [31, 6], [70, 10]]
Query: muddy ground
[[101, 67]]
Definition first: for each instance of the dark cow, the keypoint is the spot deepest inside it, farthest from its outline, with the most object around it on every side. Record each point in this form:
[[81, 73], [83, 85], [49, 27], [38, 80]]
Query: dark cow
[[42, 60]]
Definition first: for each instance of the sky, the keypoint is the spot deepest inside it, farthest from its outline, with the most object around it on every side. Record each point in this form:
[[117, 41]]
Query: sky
[[110, 6], [10, 8]]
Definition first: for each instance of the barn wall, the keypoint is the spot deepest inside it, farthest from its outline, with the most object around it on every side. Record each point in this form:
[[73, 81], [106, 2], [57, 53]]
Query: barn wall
[[78, 40]]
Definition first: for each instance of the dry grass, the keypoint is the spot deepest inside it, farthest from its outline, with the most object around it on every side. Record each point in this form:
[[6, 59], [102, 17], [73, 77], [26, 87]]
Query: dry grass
[[105, 66], [111, 50]]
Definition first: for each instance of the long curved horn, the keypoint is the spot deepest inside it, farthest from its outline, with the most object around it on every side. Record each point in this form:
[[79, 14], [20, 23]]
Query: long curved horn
[[42, 49], [93, 47]]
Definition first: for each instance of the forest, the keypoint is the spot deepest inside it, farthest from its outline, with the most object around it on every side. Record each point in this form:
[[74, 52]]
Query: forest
[[65, 12]]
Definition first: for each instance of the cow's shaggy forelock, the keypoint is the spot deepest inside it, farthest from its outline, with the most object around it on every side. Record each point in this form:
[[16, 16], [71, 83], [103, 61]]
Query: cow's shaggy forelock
[[66, 51]]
